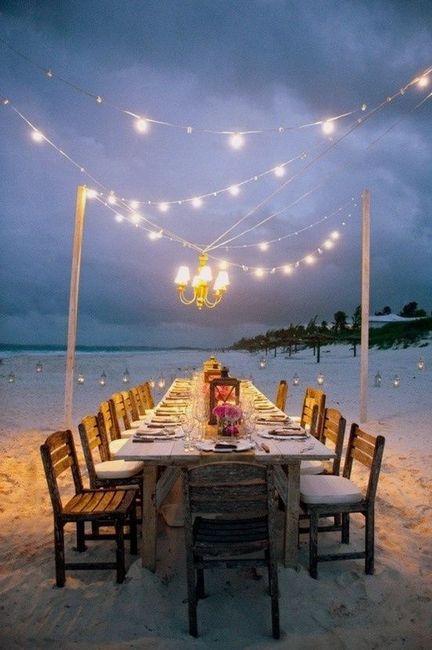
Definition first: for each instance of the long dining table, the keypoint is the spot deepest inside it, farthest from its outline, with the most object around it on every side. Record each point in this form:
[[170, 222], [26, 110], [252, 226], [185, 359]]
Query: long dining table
[[165, 456]]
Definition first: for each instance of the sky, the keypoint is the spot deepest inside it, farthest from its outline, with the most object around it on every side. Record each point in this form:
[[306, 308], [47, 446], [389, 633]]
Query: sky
[[276, 67]]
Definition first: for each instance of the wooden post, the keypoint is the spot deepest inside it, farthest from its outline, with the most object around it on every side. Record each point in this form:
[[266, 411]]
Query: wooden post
[[73, 303], [364, 353]]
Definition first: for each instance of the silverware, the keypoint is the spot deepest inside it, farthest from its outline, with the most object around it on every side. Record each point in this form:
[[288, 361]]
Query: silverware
[[265, 447]]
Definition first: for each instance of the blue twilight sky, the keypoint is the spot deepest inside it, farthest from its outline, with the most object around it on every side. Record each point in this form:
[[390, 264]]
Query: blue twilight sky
[[214, 65]]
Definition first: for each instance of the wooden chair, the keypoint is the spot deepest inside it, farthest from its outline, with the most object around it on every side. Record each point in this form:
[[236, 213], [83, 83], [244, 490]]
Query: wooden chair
[[326, 496], [281, 395], [108, 421], [309, 416], [333, 433], [242, 496], [104, 507], [146, 395], [140, 404], [319, 398], [132, 409], [121, 414], [103, 470]]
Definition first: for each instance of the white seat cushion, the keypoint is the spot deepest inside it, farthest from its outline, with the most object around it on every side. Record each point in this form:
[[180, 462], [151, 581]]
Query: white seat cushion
[[116, 445], [127, 433], [135, 424], [311, 467], [328, 489], [118, 468]]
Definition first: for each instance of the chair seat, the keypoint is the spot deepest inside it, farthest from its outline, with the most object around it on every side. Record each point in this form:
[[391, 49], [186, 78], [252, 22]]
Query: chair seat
[[118, 468], [135, 424], [116, 445], [91, 504], [127, 433], [311, 467], [328, 490]]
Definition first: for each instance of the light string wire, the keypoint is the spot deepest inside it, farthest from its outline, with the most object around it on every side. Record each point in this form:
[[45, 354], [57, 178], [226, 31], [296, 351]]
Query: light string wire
[[359, 122], [153, 228], [187, 128], [172, 235]]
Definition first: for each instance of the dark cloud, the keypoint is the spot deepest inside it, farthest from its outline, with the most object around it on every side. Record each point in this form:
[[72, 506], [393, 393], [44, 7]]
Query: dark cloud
[[211, 64]]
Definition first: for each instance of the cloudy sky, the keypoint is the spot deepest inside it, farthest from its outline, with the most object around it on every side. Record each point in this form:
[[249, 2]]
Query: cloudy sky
[[212, 65]]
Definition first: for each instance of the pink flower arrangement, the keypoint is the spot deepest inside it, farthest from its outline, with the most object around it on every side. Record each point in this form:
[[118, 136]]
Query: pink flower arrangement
[[229, 412]]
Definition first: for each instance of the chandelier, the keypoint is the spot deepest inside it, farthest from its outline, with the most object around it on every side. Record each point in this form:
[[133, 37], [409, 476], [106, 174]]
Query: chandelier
[[200, 285]]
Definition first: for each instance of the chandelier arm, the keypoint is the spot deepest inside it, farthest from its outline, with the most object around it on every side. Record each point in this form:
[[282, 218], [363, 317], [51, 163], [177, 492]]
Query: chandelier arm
[[184, 300]]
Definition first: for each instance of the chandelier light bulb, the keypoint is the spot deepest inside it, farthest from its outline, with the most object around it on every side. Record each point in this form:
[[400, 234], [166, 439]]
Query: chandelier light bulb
[[11, 378], [39, 367], [237, 140], [262, 362], [103, 379], [263, 246], [161, 382], [378, 380]]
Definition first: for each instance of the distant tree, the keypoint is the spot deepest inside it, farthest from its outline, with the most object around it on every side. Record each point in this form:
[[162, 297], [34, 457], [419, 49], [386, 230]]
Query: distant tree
[[410, 310], [386, 310], [340, 322], [356, 318], [324, 326]]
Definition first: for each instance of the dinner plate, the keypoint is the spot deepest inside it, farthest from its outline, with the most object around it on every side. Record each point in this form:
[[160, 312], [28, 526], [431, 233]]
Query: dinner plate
[[210, 445]]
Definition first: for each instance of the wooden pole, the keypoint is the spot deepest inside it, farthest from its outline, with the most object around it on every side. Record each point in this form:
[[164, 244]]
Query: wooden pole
[[73, 303], [364, 353]]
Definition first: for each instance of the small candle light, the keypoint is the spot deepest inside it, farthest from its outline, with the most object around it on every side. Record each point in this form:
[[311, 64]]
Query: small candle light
[[296, 379], [421, 364], [102, 379], [320, 379], [11, 378], [38, 367], [126, 376], [161, 382], [377, 380], [262, 362], [396, 381], [80, 379]]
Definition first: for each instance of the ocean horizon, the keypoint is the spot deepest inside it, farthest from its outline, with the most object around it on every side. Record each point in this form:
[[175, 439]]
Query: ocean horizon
[[8, 349]]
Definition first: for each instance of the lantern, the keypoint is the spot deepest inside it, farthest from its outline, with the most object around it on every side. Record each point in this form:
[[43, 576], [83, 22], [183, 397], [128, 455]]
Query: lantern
[[420, 363], [223, 390], [320, 379], [80, 379], [396, 381], [102, 379], [126, 376], [295, 379], [38, 367], [262, 362], [378, 380], [212, 369]]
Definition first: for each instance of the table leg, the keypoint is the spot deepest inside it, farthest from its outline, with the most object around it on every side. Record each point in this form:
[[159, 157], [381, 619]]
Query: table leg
[[292, 509], [149, 518]]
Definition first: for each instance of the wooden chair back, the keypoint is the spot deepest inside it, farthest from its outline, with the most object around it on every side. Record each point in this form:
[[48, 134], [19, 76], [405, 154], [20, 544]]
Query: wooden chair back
[[334, 432], [281, 394], [309, 416], [146, 395], [107, 419], [319, 398], [130, 405], [94, 442], [229, 488], [366, 449], [59, 456], [141, 408], [120, 411]]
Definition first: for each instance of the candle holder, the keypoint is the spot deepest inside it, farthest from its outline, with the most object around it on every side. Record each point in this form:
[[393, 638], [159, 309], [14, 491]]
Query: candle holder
[[224, 390]]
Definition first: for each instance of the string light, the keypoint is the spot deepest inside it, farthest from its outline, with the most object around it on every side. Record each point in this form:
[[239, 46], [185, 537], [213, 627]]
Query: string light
[[423, 81], [310, 259], [279, 171], [234, 190], [37, 136], [328, 127], [197, 202], [263, 246], [91, 193], [237, 140], [142, 125]]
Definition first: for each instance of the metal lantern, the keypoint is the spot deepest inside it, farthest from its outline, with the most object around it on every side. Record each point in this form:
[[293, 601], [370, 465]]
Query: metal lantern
[[161, 382], [320, 379], [396, 381], [126, 376], [262, 362], [11, 377], [223, 390], [38, 367], [377, 380], [295, 379], [421, 364], [80, 379], [212, 369], [103, 379]]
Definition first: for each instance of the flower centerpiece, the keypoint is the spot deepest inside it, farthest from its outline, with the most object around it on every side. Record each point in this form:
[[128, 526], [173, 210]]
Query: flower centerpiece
[[228, 417]]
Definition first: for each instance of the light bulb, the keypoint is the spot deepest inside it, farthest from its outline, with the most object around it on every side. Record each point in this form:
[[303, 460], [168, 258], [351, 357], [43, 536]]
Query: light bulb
[[279, 171], [11, 377], [421, 364], [112, 199], [234, 190], [91, 193], [163, 206], [37, 136], [327, 127], [183, 276], [142, 125], [423, 81], [161, 382], [377, 380], [310, 259], [335, 234], [133, 204], [197, 202], [38, 367], [237, 140], [135, 218], [287, 269], [119, 218], [396, 381], [259, 273], [263, 246], [328, 244]]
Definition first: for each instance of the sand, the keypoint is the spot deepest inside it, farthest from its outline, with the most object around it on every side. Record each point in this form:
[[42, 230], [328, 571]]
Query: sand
[[343, 609]]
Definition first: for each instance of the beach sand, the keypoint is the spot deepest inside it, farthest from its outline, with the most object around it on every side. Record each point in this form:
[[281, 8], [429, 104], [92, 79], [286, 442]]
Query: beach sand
[[343, 609]]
